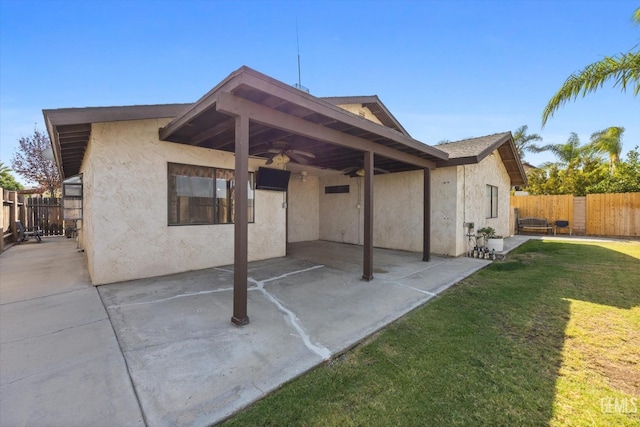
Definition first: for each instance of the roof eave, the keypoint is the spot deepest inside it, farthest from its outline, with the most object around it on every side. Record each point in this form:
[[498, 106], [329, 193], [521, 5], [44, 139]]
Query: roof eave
[[247, 76], [517, 177]]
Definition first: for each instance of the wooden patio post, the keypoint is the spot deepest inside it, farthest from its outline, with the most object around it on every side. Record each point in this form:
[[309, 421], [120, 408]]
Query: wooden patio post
[[367, 266], [426, 219], [240, 316]]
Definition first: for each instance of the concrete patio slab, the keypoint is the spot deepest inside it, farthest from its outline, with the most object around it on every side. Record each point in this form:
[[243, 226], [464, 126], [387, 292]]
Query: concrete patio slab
[[191, 366], [175, 358]]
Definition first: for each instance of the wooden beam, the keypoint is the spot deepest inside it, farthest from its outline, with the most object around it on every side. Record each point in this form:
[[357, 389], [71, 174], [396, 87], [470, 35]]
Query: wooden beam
[[210, 133], [234, 105], [240, 258], [267, 84], [367, 264], [426, 215]]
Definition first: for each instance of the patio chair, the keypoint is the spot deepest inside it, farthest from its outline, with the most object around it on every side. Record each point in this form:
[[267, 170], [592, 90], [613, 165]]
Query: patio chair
[[24, 234], [561, 224]]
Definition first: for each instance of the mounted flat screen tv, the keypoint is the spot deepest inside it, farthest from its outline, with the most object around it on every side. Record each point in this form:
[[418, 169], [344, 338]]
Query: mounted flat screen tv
[[272, 179]]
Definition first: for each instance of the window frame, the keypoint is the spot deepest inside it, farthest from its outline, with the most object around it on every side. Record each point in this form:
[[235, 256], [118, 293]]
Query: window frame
[[214, 174], [492, 201]]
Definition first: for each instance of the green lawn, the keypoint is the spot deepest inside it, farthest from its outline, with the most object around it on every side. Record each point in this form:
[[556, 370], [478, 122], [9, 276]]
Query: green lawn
[[550, 336]]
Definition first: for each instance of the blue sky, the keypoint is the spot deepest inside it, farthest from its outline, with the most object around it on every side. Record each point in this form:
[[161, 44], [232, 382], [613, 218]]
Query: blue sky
[[447, 70]]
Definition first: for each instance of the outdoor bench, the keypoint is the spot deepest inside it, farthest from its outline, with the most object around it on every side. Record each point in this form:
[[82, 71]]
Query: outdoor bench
[[24, 234], [533, 224]]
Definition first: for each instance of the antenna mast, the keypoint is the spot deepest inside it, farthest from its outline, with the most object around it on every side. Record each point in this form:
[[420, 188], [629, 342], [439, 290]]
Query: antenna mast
[[299, 84], [298, 46]]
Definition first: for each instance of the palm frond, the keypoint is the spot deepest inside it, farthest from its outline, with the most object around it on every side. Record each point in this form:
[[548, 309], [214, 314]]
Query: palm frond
[[623, 68]]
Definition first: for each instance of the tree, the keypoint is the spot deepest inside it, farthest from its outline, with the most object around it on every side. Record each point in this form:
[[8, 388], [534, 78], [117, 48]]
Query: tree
[[7, 180], [524, 142], [568, 152], [31, 165], [577, 178], [623, 68], [624, 179], [608, 141]]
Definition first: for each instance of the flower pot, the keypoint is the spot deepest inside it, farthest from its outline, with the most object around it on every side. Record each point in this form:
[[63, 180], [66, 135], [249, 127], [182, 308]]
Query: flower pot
[[495, 245]]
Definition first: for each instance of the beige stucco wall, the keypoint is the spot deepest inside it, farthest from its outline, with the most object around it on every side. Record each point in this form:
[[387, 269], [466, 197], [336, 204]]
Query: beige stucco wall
[[359, 110], [458, 195], [340, 218], [475, 178], [304, 209], [398, 210], [445, 214], [126, 235], [397, 207]]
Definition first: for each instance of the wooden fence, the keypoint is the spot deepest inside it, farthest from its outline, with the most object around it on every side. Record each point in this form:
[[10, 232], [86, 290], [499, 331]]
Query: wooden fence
[[42, 213], [615, 215], [12, 210], [45, 214]]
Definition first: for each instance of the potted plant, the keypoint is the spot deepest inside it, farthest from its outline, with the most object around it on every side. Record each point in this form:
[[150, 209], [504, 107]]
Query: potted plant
[[491, 241]]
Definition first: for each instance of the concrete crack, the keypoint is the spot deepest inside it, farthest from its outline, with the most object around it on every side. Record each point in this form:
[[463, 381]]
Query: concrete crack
[[412, 288], [258, 388], [188, 294], [292, 319], [418, 271], [56, 332]]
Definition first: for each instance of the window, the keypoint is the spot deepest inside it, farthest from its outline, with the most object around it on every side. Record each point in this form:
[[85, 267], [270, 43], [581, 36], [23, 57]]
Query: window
[[72, 198], [204, 195], [336, 189], [492, 201]]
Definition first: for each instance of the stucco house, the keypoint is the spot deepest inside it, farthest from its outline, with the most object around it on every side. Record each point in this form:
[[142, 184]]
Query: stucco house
[[155, 185]]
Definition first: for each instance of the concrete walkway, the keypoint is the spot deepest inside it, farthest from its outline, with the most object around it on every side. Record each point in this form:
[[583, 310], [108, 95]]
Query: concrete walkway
[[175, 358], [60, 362]]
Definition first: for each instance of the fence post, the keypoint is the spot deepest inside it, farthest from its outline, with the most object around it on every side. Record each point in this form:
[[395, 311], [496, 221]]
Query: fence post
[[13, 213], [2, 190]]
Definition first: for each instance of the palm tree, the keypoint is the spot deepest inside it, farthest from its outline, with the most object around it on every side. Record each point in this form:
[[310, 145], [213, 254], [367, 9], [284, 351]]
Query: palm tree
[[608, 141], [524, 142], [623, 68], [567, 152]]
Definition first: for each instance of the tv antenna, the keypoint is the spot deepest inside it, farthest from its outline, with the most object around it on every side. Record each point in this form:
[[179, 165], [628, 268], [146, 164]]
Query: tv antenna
[[299, 84]]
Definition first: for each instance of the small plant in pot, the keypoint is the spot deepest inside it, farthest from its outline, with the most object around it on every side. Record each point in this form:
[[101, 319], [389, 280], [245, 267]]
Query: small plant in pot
[[491, 241]]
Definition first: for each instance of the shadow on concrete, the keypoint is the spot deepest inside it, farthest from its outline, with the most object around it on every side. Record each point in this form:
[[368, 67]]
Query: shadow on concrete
[[495, 360]]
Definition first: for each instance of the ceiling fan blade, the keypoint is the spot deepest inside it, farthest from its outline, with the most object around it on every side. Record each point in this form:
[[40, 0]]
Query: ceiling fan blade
[[274, 150], [259, 153], [280, 145], [302, 153], [381, 170], [348, 171], [297, 158]]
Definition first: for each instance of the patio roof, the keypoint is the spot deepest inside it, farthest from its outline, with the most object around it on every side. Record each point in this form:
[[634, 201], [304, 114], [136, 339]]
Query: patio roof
[[473, 150], [70, 128], [246, 114], [281, 113]]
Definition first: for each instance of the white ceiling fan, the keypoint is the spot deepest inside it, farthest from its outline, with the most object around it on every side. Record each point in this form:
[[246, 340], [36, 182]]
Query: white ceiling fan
[[282, 153]]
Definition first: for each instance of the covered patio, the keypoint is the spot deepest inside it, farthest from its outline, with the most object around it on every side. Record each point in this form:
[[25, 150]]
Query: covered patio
[[307, 308], [248, 112], [161, 350]]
